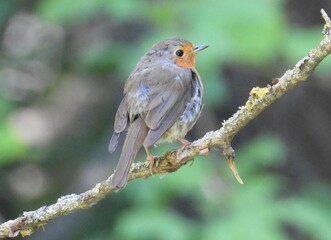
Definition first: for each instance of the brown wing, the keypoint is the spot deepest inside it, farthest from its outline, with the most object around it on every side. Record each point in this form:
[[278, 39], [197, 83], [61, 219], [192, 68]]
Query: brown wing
[[121, 121], [168, 120], [121, 118], [166, 106]]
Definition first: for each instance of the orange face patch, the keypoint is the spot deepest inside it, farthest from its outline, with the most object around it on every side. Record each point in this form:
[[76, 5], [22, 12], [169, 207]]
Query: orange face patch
[[188, 59]]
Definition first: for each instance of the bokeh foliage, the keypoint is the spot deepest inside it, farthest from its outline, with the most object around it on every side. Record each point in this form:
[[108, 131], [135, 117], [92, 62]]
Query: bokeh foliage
[[62, 69]]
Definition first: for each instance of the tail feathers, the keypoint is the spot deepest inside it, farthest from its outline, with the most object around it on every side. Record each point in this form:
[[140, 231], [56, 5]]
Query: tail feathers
[[133, 142]]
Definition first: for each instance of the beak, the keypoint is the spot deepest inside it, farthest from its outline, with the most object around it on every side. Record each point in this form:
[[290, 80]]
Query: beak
[[200, 47]]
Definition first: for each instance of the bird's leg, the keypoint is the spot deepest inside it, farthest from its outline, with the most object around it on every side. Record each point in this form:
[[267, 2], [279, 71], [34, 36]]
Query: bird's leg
[[151, 160], [233, 168], [184, 142]]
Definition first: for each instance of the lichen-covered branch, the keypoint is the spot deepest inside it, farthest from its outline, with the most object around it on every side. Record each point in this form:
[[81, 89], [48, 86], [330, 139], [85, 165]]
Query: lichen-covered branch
[[259, 99]]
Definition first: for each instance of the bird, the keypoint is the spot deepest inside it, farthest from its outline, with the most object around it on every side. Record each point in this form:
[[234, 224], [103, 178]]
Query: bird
[[162, 100]]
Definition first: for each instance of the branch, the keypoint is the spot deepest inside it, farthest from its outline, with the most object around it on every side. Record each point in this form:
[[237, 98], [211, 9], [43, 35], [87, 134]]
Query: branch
[[259, 99]]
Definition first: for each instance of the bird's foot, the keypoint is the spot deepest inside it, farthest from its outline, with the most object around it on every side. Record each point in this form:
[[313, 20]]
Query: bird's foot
[[184, 142]]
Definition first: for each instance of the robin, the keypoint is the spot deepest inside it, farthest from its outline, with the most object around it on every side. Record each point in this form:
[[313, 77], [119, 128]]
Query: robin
[[162, 101]]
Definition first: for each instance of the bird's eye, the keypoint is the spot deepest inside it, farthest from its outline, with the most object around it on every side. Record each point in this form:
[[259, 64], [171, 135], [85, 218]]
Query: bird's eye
[[179, 53]]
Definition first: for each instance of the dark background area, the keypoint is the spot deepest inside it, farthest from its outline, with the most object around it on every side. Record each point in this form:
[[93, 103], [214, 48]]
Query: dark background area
[[63, 65]]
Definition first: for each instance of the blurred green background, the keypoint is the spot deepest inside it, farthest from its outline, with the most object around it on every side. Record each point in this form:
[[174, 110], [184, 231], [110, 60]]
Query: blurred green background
[[63, 65]]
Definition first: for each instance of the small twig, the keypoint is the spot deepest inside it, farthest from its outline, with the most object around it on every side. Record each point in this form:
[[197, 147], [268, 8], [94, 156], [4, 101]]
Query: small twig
[[259, 99], [326, 18]]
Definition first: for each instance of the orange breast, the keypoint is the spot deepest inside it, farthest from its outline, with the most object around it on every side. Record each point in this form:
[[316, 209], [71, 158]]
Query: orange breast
[[186, 61]]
